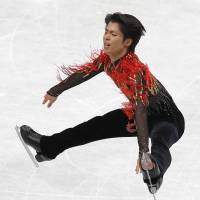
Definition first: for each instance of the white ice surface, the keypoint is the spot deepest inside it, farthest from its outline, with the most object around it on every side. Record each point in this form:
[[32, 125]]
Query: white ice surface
[[37, 35]]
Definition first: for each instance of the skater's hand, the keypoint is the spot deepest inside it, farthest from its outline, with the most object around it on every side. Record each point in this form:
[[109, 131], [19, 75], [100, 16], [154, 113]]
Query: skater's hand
[[138, 168], [130, 127], [49, 99]]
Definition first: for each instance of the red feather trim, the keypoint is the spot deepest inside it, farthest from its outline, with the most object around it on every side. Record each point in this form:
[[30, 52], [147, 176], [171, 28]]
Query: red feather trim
[[88, 67], [124, 75]]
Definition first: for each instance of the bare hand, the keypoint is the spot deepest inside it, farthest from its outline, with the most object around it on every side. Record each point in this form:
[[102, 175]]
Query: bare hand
[[130, 127], [49, 99], [138, 168]]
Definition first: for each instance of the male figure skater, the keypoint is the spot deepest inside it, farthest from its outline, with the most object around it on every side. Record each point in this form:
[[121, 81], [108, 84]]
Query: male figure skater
[[149, 113]]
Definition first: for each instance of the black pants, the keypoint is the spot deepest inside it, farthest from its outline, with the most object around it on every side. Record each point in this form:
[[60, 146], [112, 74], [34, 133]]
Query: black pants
[[163, 135]]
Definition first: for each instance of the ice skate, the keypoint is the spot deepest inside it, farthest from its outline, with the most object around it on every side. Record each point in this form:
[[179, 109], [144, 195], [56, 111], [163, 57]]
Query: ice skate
[[29, 137], [151, 175]]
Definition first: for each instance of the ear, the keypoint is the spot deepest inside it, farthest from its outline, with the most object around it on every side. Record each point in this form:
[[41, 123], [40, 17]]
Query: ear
[[128, 42]]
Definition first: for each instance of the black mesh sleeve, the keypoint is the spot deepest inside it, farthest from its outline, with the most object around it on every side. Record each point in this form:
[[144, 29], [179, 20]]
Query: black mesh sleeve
[[141, 115], [142, 128], [69, 82], [73, 80]]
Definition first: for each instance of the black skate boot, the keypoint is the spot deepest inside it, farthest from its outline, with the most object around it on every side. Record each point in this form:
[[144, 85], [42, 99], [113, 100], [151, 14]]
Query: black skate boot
[[31, 138], [152, 177]]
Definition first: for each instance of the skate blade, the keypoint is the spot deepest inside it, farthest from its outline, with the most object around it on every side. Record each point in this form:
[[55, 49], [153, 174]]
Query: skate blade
[[26, 147]]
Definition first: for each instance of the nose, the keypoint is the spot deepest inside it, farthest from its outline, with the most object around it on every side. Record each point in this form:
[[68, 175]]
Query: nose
[[107, 36]]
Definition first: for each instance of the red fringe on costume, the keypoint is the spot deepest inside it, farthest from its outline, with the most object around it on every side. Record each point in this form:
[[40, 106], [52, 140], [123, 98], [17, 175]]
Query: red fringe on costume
[[91, 65], [134, 80], [132, 77]]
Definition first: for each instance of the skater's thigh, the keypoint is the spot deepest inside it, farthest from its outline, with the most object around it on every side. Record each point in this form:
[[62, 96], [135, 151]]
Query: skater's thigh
[[164, 131], [111, 124]]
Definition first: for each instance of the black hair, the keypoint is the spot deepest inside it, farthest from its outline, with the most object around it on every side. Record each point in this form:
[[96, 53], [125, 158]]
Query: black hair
[[130, 26]]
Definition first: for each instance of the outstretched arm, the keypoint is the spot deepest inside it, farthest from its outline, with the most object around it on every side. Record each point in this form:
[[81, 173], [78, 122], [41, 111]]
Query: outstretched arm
[[75, 77], [71, 81]]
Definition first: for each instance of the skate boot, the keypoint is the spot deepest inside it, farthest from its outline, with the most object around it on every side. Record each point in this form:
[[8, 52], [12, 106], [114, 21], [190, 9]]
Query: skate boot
[[31, 138], [151, 176]]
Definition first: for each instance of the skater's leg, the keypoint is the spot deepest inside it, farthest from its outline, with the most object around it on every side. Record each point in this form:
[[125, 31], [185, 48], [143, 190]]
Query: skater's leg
[[110, 125], [163, 135]]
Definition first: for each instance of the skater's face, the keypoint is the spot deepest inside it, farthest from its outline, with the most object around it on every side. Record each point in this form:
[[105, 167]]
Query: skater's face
[[113, 40]]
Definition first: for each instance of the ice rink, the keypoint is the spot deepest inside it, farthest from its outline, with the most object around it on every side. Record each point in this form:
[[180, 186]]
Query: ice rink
[[36, 36]]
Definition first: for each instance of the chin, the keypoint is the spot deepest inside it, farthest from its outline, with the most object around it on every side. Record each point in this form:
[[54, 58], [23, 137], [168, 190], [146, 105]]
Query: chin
[[106, 51]]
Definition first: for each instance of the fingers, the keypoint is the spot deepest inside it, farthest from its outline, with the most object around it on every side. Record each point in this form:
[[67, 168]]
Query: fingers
[[49, 100], [138, 167], [49, 104], [44, 101], [130, 130]]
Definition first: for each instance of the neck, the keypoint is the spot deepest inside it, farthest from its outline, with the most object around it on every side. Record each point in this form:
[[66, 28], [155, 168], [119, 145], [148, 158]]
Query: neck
[[113, 58]]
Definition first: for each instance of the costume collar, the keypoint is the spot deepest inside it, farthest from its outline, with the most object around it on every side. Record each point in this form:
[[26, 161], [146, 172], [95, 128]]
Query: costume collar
[[116, 62]]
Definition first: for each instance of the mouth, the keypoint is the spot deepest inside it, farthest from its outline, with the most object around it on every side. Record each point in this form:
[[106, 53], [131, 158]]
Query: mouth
[[106, 45]]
